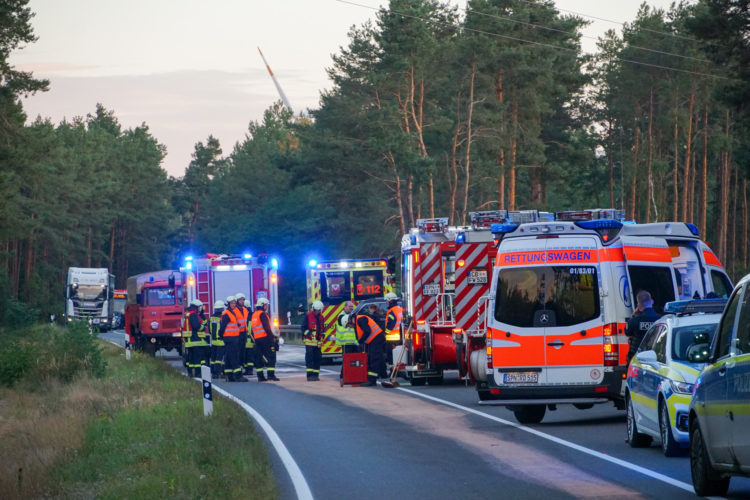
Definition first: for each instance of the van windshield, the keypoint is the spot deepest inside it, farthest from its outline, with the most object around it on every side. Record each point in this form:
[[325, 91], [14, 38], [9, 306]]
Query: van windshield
[[547, 296]]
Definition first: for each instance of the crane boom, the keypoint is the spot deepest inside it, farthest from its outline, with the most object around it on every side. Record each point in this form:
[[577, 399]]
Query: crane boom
[[275, 82]]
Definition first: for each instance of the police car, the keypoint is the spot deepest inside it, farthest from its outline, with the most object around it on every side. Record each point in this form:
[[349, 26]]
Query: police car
[[661, 375], [719, 416]]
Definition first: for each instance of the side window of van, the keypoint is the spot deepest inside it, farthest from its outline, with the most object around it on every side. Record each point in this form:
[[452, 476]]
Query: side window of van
[[743, 326], [657, 280], [724, 336], [722, 286], [660, 346]]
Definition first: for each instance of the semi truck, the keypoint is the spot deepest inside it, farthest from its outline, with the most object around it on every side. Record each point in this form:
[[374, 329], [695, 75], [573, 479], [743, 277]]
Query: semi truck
[[154, 311], [88, 296]]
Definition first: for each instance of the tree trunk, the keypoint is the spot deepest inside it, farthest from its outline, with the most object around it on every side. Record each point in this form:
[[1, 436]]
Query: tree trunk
[[704, 174], [649, 163], [501, 181], [410, 200], [513, 156], [89, 244], [688, 153], [634, 184], [675, 168], [610, 158], [454, 163], [733, 246], [112, 246], [467, 156], [399, 201]]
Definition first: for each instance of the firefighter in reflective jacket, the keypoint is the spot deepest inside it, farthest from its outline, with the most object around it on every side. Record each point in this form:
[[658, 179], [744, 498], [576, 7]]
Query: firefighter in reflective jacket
[[217, 343], [312, 336], [247, 343], [229, 331], [392, 325], [370, 334], [346, 337], [265, 341], [194, 333]]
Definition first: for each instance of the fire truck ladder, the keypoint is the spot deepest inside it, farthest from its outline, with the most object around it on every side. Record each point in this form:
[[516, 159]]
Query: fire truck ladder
[[201, 288], [445, 317]]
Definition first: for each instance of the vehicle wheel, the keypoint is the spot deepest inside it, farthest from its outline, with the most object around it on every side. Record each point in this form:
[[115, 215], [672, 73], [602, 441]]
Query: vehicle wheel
[[706, 481], [435, 380], [635, 438], [530, 414], [583, 406], [417, 381], [150, 349], [484, 395], [461, 360], [669, 446]]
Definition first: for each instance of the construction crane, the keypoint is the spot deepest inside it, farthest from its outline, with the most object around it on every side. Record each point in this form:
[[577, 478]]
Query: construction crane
[[275, 82]]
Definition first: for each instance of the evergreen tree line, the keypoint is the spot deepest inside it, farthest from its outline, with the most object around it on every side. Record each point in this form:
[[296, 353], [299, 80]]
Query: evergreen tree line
[[433, 112]]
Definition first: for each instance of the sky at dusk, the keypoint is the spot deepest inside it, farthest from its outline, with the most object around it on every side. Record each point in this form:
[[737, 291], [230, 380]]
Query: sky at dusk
[[190, 68]]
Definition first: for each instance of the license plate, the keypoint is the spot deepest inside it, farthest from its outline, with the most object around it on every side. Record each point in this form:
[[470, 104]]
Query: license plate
[[521, 378], [96, 321], [431, 289], [478, 277]]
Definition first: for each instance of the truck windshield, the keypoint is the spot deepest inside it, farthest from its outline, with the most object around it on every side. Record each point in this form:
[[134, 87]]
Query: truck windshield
[[119, 306], [570, 294], [87, 292], [160, 297]]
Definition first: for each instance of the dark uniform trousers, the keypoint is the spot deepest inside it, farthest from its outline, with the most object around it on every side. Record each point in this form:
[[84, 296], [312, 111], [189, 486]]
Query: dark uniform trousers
[[376, 359], [313, 358], [265, 355], [232, 356]]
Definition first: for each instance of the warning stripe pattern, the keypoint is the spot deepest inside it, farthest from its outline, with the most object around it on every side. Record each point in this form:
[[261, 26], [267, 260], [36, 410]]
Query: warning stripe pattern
[[427, 270], [468, 306], [330, 313]]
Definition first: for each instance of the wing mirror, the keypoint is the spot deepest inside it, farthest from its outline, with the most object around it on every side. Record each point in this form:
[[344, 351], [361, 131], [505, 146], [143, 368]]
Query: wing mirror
[[646, 357], [698, 353]]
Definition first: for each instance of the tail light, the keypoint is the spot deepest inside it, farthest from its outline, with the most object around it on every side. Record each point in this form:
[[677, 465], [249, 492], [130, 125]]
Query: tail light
[[275, 321], [489, 349], [416, 339], [611, 346]]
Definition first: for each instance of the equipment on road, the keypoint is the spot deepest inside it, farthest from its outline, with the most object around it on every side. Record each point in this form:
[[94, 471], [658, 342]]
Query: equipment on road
[[354, 367], [332, 283], [154, 311], [89, 296], [392, 383]]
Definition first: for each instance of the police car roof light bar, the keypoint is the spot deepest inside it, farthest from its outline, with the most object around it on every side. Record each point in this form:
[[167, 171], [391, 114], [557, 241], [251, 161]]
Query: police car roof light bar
[[503, 228], [693, 228], [707, 306]]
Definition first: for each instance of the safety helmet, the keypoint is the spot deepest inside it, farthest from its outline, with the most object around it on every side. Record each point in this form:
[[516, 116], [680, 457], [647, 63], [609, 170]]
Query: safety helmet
[[317, 306], [196, 303], [219, 304], [239, 296], [261, 302], [231, 298], [391, 296]]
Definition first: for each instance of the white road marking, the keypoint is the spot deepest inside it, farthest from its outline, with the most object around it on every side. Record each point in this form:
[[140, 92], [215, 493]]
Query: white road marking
[[554, 439], [295, 474]]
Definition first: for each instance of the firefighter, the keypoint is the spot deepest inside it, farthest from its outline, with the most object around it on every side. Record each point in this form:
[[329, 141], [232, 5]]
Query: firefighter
[[346, 336], [195, 342], [217, 343], [229, 330], [392, 325], [247, 344], [370, 333], [312, 336], [265, 341]]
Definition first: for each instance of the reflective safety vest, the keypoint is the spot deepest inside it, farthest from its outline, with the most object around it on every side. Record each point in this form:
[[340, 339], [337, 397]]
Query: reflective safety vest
[[214, 324], [345, 335], [313, 335], [257, 325], [187, 332], [232, 329], [394, 334], [242, 315], [375, 330]]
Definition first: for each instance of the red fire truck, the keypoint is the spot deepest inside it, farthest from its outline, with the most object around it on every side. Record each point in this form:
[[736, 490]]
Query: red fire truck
[[215, 277], [153, 311], [446, 278]]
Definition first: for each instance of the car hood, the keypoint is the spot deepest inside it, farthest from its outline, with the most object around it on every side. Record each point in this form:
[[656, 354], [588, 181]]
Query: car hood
[[687, 371]]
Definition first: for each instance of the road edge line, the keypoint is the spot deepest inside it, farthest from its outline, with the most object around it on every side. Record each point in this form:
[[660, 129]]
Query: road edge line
[[603, 456]]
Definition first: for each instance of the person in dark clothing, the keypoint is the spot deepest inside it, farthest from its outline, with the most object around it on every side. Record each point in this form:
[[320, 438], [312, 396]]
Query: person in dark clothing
[[312, 335], [195, 340], [229, 331], [641, 322], [371, 334], [265, 342]]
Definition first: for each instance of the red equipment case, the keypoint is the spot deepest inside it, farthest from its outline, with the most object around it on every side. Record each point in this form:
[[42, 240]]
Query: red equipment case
[[355, 368]]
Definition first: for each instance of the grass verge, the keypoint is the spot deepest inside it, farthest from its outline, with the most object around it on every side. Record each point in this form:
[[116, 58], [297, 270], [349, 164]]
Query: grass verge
[[136, 432]]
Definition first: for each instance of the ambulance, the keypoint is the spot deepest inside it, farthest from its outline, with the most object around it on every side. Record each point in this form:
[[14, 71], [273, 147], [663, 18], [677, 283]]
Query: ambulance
[[445, 284], [561, 294], [215, 277], [334, 282]]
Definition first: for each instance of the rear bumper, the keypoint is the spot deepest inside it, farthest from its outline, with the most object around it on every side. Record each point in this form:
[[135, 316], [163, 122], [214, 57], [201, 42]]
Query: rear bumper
[[608, 390]]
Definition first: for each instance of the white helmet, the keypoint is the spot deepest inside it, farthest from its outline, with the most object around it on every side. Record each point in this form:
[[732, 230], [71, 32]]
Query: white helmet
[[196, 303], [317, 306], [239, 296], [391, 296], [261, 302], [231, 298], [219, 304]]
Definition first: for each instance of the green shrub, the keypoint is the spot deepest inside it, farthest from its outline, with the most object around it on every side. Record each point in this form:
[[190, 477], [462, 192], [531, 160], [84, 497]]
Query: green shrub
[[15, 359]]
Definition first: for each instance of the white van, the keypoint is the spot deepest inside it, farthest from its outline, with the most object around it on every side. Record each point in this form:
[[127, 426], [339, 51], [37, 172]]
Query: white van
[[561, 295]]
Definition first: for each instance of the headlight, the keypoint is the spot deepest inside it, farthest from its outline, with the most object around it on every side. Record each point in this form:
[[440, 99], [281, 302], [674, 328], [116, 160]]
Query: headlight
[[681, 387], [154, 325]]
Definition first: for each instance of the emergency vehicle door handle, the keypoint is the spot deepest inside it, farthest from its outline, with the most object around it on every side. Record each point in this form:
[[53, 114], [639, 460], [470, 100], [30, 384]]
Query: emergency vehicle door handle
[[556, 343], [723, 370]]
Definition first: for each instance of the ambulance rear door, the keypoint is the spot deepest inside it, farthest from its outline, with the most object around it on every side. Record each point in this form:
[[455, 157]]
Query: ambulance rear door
[[573, 339], [717, 278], [649, 267]]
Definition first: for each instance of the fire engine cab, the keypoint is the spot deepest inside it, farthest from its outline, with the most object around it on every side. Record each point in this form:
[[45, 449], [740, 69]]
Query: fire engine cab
[[215, 277], [561, 294], [334, 282], [445, 285]]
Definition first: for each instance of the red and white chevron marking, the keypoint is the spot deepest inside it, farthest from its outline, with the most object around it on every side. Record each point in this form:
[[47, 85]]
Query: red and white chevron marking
[[468, 306], [427, 270]]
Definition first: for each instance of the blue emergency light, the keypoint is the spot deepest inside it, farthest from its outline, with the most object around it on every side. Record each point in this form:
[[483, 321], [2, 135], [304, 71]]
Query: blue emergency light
[[461, 238], [188, 265], [707, 306], [693, 228], [312, 263], [247, 256], [189, 258], [503, 228], [275, 263], [599, 224]]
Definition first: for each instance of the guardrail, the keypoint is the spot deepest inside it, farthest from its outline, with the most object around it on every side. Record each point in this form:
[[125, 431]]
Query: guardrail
[[291, 333]]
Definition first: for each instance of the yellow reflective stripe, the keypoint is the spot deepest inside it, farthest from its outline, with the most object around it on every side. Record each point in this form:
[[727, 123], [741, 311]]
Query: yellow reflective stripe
[[645, 401]]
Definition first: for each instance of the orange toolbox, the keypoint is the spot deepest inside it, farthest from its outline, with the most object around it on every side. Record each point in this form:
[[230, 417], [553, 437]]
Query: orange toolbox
[[355, 368]]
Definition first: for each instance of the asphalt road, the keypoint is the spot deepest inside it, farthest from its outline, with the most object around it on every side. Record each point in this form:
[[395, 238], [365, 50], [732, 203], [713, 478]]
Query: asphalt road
[[437, 442]]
